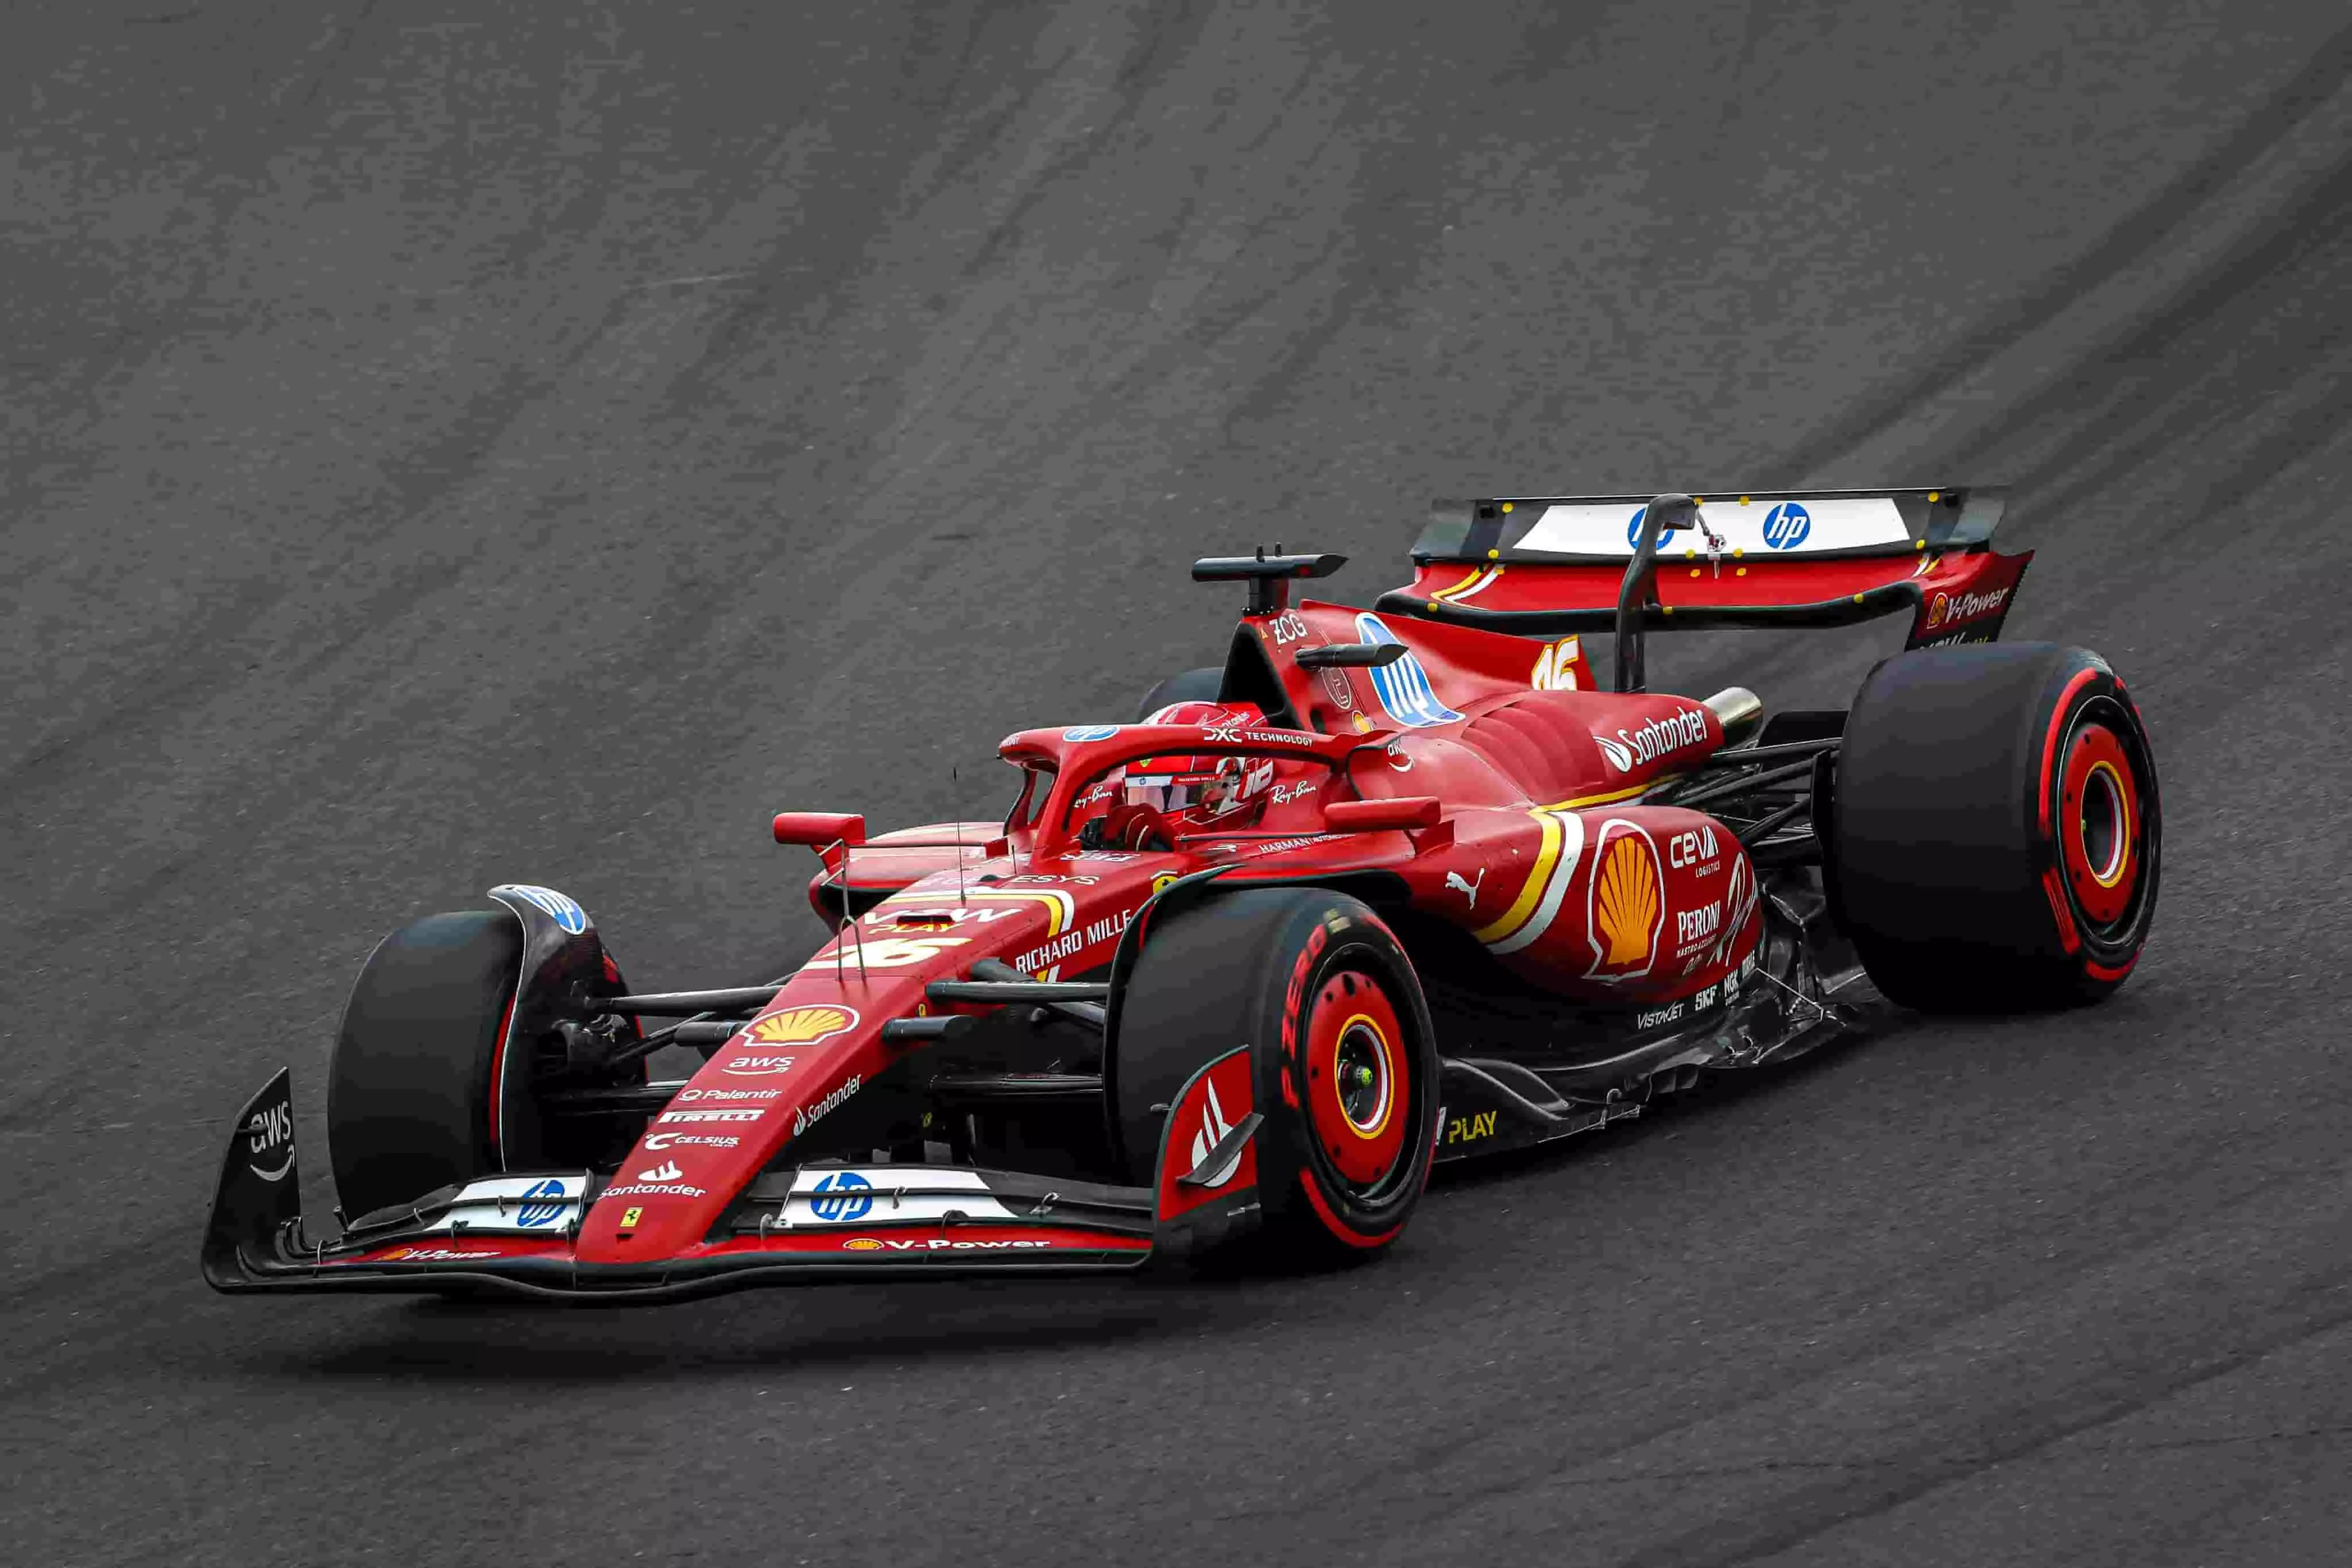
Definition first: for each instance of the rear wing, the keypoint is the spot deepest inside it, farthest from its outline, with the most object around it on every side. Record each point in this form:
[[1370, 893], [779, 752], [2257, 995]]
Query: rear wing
[[1545, 566]]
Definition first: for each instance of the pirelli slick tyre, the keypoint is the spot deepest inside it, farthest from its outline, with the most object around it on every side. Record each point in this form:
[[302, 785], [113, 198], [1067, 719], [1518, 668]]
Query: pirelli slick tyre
[[410, 1105], [1343, 1059], [1996, 837], [1191, 686]]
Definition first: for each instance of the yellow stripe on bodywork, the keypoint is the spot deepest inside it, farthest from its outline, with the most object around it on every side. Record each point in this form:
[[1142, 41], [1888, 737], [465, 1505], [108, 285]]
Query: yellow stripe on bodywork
[[1524, 906], [1475, 573], [1612, 797]]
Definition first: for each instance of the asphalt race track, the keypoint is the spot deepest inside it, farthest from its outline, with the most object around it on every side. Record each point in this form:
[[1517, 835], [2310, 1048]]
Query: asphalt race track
[[450, 443]]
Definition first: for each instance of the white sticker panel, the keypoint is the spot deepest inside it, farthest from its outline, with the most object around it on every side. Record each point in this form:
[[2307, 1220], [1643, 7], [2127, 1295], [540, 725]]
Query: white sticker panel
[[516, 1206], [871, 1195], [1766, 525]]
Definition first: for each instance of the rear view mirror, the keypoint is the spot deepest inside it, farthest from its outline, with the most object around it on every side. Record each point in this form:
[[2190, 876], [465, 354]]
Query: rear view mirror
[[819, 829]]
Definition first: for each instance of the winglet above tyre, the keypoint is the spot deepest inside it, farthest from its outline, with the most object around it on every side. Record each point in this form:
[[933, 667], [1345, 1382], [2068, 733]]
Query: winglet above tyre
[[260, 1192], [1206, 1187]]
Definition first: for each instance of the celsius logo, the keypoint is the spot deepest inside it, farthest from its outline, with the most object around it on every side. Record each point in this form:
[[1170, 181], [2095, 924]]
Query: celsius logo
[[543, 1204], [847, 1196], [270, 1129], [1945, 607], [1403, 687], [1787, 526], [1653, 739], [556, 906]]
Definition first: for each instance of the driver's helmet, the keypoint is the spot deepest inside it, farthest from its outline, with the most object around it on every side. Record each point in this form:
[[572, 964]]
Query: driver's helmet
[[1205, 786]]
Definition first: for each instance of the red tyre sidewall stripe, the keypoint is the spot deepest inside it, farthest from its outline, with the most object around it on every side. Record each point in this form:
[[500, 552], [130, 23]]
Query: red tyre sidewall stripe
[[1337, 1226], [497, 1080], [2050, 740]]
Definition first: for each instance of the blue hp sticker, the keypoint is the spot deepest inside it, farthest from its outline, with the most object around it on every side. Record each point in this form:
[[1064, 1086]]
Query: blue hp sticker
[[835, 1209], [1786, 526], [1633, 531], [1403, 687], [543, 1204], [557, 907], [1091, 732]]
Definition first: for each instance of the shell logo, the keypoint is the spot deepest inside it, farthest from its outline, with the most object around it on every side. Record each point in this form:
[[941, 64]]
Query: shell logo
[[804, 1026], [1627, 903], [861, 1244]]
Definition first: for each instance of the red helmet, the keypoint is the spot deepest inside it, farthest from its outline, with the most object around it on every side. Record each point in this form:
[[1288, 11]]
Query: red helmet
[[1204, 786]]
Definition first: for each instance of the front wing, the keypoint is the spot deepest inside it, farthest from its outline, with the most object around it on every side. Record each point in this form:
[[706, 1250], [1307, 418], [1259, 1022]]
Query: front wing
[[516, 1235]]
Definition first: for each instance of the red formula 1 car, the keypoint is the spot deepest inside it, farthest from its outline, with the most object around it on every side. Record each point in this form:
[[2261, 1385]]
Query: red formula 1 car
[[1390, 887]]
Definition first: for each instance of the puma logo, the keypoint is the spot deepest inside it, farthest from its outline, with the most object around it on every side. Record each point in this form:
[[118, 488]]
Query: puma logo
[[1454, 881]]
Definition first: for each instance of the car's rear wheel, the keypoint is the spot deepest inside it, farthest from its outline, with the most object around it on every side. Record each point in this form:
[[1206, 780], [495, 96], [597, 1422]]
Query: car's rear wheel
[[1996, 836], [1343, 1059]]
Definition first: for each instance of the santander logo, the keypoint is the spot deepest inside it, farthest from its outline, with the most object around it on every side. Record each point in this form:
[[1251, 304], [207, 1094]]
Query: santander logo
[[1214, 1129]]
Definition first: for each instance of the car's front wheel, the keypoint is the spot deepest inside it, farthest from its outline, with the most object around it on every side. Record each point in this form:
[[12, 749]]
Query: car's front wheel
[[1343, 1059]]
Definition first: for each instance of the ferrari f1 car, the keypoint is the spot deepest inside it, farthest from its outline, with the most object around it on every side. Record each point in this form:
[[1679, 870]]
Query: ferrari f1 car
[[1388, 887]]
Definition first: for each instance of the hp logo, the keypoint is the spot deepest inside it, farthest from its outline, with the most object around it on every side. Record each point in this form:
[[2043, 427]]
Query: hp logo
[[847, 1196], [543, 1204], [1633, 531], [1786, 526]]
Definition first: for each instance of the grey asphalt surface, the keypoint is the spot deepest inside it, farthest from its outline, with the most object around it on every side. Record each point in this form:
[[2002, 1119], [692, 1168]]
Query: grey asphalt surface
[[453, 444]]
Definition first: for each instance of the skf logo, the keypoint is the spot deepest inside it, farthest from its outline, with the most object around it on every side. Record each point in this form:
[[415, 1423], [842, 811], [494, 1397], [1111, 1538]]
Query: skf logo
[[1555, 668], [804, 1026], [1628, 902], [1695, 846]]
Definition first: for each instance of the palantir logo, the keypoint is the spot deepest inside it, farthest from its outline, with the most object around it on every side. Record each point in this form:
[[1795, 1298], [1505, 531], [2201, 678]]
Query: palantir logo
[[1403, 686], [847, 1196], [1787, 526], [543, 1204]]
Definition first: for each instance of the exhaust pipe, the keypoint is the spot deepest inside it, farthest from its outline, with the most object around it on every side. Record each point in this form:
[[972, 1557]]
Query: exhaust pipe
[[1741, 712]]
